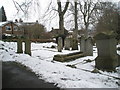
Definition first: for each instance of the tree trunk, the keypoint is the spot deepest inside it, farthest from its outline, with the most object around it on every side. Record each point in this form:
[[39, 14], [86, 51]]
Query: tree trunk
[[61, 18], [75, 41], [61, 24]]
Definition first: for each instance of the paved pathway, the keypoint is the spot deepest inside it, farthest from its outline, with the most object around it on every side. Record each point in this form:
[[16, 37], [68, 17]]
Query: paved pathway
[[16, 76]]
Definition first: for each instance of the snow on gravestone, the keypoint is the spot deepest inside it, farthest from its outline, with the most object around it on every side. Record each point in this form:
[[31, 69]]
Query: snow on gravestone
[[88, 47], [67, 43], [60, 44], [107, 58], [27, 47]]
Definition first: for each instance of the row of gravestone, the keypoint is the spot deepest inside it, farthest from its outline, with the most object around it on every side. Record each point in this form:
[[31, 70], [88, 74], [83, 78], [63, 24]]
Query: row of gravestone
[[27, 46], [107, 58], [86, 45]]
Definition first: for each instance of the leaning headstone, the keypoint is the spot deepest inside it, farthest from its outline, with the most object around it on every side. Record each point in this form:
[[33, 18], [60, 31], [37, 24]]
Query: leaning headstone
[[88, 47], [27, 47], [19, 46], [107, 58], [67, 43], [60, 44], [82, 44]]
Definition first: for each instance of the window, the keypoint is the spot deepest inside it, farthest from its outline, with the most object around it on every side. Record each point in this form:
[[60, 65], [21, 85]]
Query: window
[[8, 28], [15, 28]]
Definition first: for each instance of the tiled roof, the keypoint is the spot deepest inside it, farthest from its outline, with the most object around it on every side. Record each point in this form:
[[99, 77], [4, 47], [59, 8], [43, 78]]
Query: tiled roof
[[3, 23]]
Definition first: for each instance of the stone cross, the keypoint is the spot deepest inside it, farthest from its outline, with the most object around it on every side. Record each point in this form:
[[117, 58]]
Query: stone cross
[[60, 44], [107, 58]]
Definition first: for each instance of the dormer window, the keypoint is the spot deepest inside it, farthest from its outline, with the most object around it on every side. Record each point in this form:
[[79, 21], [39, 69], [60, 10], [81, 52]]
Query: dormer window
[[8, 28]]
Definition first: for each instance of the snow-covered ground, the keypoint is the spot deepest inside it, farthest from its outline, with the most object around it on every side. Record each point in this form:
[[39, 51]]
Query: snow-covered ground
[[41, 62]]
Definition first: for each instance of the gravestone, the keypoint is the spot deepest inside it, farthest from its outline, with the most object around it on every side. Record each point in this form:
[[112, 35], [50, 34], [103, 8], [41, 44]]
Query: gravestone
[[19, 46], [67, 43], [107, 58], [88, 47], [118, 60], [0, 33], [82, 44], [60, 44], [27, 47], [74, 44]]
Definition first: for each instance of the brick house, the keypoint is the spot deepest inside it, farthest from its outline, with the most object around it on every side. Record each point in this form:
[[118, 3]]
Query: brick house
[[10, 28]]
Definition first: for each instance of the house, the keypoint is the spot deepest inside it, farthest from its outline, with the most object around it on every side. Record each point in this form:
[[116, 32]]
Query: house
[[10, 28], [57, 32]]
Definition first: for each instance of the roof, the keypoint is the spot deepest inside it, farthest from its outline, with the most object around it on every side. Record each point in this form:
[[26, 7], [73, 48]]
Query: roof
[[25, 23], [4, 23]]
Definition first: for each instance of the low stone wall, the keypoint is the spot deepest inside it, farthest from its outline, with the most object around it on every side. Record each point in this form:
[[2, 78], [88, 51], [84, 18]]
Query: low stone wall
[[68, 57]]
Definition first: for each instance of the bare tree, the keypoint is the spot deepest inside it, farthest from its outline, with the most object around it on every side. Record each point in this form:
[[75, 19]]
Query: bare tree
[[110, 17], [75, 34], [87, 8], [24, 8], [61, 15]]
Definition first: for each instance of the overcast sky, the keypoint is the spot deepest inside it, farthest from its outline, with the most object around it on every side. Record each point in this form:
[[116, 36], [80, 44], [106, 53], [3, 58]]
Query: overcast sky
[[11, 11]]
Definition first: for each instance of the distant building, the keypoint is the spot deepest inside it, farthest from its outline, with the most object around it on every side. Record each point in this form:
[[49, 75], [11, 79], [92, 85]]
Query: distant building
[[10, 28], [57, 32]]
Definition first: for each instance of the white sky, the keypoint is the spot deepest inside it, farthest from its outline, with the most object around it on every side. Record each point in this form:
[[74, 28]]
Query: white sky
[[11, 11]]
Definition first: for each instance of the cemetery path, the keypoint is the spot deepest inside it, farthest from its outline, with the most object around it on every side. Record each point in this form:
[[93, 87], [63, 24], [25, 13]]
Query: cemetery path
[[16, 76]]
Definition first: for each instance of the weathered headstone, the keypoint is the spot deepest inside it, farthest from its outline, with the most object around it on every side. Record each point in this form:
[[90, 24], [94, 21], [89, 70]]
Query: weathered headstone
[[88, 47], [27, 47], [67, 43], [82, 44], [19, 46], [107, 58], [74, 44], [60, 44], [118, 60]]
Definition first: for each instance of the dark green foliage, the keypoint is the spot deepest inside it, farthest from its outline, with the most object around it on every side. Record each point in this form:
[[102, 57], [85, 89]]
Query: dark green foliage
[[4, 18], [35, 31], [110, 19]]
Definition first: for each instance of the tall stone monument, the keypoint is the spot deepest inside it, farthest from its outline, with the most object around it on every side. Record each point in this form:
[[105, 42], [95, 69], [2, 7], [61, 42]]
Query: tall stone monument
[[107, 58]]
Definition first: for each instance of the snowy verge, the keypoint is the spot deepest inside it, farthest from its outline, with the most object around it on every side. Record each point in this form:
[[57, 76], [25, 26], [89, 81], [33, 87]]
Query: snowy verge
[[42, 64]]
